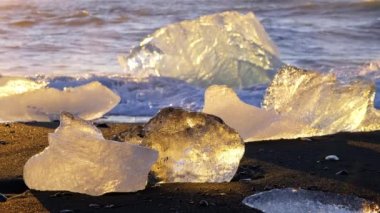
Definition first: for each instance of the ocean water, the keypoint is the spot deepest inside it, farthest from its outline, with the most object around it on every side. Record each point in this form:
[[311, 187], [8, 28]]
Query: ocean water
[[69, 43]]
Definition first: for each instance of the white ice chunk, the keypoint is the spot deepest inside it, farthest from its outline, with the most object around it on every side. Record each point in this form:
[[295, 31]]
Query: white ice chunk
[[299, 201], [79, 159], [225, 48], [89, 101], [252, 123], [193, 147]]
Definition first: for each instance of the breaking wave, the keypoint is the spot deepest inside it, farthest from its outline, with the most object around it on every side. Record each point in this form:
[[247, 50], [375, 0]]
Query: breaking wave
[[146, 96]]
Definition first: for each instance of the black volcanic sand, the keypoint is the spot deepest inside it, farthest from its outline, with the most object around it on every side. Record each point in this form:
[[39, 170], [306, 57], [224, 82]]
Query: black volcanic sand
[[266, 165]]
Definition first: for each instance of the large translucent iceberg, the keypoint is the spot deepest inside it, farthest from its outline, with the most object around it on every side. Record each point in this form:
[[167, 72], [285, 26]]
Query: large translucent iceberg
[[193, 147], [226, 48], [25, 100], [252, 123], [79, 159], [299, 201], [321, 101]]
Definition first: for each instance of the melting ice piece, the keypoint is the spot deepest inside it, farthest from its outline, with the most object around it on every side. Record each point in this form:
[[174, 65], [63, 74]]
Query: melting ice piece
[[89, 102], [299, 201], [332, 158], [321, 101], [79, 159], [14, 85], [225, 48], [252, 123], [193, 147]]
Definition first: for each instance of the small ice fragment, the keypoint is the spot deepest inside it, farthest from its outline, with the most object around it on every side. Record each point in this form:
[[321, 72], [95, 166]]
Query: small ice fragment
[[94, 205], [89, 102], [193, 147], [342, 172], [79, 159], [3, 198], [332, 158], [290, 200], [66, 211]]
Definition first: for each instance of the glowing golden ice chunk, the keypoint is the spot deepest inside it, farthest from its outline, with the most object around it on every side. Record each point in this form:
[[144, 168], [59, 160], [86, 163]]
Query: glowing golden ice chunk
[[193, 147], [320, 100]]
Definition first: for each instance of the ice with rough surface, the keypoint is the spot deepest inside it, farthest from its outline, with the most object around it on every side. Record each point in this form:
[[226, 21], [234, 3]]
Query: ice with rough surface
[[252, 123], [79, 159], [15, 85], [290, 200], [323, 102], [298, 103], [193, 147], [228, 48], [25, 100]]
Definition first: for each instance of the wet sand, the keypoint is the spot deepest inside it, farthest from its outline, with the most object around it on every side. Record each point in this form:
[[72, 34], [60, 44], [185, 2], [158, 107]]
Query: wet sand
[[266, 165]]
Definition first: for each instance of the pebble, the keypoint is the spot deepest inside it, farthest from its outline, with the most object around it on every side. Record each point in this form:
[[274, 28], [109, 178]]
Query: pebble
[[332, 158], [102, 125], [109, 206], [342, 172], [60, 194], [3, 198], [245, 180], [203, 203], [3, 143], [66, 211], [94, 205]]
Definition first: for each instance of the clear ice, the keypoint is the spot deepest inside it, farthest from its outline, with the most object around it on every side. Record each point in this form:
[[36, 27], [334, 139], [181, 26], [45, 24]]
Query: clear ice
[[228, 48], [193, 147], [322, 101], [252, 123], [79, 159], [298, 103], [290, 200], [25, 100]]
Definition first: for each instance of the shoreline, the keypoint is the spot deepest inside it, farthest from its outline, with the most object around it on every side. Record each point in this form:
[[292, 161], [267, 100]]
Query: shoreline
[[295, 163]]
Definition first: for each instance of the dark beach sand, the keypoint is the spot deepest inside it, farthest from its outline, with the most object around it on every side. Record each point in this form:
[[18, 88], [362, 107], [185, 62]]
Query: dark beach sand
[[283, 163]]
